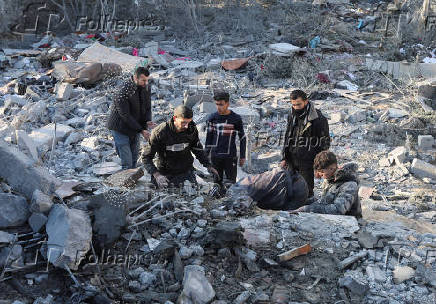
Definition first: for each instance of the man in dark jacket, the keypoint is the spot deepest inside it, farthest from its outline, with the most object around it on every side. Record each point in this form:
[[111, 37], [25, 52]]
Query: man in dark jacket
[[173, 141], [307, 134], [222, 128], [340, 188], [131, 116]]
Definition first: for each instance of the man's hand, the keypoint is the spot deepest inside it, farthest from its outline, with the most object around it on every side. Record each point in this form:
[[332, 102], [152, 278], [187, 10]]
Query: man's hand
[[296, 211], [161, 180], [146, 134], [241, 162], [151, 124], [213, 171], [283, 164]]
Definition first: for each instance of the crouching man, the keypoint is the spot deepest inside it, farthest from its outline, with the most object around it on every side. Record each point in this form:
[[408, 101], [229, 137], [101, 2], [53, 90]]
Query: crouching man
[[340, 187], [173, 141]]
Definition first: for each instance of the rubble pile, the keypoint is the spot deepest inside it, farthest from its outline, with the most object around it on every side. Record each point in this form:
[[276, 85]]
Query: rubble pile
[[76, 229]]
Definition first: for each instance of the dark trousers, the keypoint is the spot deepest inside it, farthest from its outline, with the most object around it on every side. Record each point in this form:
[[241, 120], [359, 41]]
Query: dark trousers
[[227, 166], [177, 180], [127, 148], [306, 171], [308, 176]]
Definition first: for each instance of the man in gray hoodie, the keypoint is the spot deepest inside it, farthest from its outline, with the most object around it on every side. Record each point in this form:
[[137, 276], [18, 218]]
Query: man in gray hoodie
[[340, 187]]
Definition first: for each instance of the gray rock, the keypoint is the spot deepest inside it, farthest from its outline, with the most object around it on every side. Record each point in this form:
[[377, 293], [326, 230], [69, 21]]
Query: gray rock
[[184, 233], [425, 142], [37, 221], [375, 274], [69, 236], [202, 223], [48, 300], [353, 286], [6, 238], [196, 288], [135, 273], [217, 214], [135, 286], [73, 138], [185, 252], [197, 250], [40, 202], [31, 176], [8, 256], [147, 278], [242, 298], [14, 210]]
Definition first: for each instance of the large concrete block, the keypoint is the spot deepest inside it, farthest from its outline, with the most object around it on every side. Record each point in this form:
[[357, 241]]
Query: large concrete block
[[398, 155], [69, 236], [422, 169], [425, 142], [45, 135], [63, 91], [23, 174], [14, 210], [26, 143]]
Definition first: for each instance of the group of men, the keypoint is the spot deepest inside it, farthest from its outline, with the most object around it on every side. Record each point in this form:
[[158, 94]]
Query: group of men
[[168, 154]]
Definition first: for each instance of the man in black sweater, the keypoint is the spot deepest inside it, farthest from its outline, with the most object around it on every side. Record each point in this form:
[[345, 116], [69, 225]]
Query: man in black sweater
[[131, 116], [307, 134], [222, 127], [173, 141]]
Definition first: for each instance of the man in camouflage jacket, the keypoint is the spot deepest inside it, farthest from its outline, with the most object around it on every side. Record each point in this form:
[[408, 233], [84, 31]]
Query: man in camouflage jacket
[[340, 188]]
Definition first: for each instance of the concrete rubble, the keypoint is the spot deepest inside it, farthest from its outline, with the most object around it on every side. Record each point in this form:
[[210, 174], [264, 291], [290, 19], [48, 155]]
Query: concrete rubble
[[66, 203]]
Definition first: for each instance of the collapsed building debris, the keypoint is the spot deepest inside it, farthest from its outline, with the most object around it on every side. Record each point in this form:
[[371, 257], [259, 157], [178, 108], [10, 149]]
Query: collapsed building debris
[[107, 236]]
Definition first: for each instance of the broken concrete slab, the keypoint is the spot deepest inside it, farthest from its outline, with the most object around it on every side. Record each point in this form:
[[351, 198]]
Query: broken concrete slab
[[11, 256], [402, 273], [63, 91], [14, 210], [69, 236], [425, 142], [11, 100], [37, 221], [45, 135], [26, 143], [191, 100], [398, 155], [125, 178], [31, 176], [402, 70], [102, 54], [423, 169], [86, 73], [347, 85]]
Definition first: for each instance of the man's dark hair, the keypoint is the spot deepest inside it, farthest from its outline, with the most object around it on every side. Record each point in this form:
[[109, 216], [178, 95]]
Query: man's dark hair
[[295, 94], [221, 95], [142, 71], [183, 112], [324, 159]]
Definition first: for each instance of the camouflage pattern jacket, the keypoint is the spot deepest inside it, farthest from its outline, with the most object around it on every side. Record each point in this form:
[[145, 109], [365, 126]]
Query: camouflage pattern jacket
[[340, 195]]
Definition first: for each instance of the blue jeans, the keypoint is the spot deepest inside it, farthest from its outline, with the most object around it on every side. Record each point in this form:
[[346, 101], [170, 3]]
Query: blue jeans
[[127, 148]]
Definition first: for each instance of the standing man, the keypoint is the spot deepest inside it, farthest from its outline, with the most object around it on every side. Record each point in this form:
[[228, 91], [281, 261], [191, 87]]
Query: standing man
[[222, 127], [173, 141], [130, 117], [307, 134]]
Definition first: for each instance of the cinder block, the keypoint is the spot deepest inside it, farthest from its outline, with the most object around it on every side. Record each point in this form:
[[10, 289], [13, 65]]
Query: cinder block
[[425, 142], [422, 169]]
